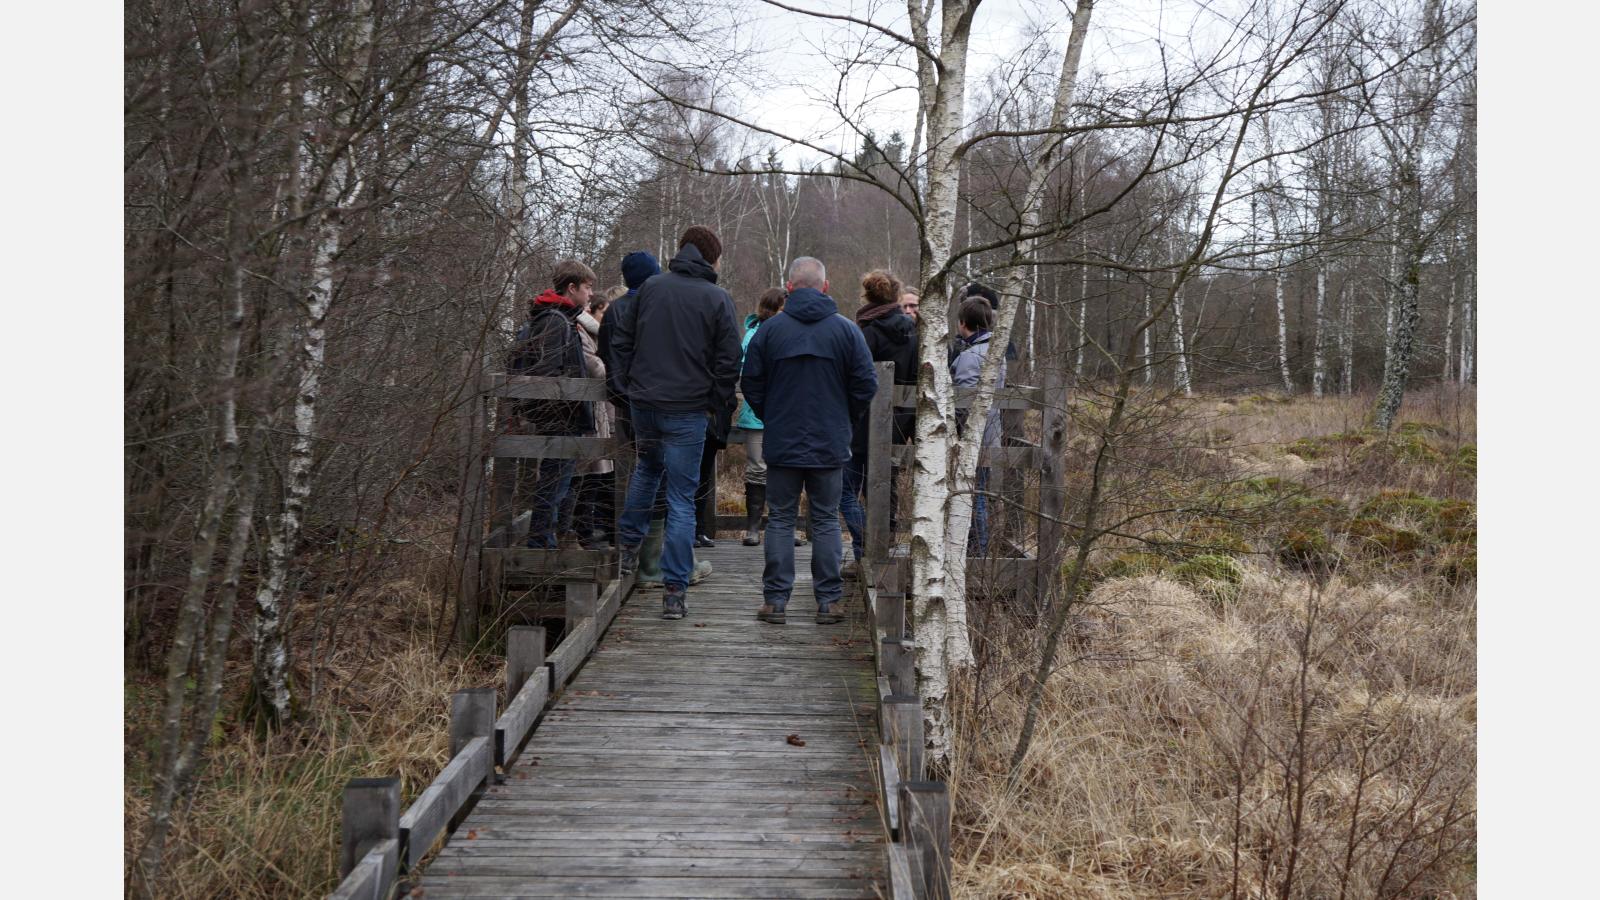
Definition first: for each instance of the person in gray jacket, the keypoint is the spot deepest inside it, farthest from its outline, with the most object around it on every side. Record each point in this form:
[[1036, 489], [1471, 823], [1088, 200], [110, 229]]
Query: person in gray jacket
[[976, 318]]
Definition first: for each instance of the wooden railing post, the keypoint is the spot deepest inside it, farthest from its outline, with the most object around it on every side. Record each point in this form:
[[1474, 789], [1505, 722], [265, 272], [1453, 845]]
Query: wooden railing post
[[583, 600], [891, 615], [524, 657], [880, 465], [898, 658], [925, 823], [901, 721], [472, 715], [371, 815]]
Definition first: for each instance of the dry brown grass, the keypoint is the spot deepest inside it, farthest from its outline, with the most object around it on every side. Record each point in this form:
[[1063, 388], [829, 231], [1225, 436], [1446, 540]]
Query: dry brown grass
[[265, 819], [1197, 744]]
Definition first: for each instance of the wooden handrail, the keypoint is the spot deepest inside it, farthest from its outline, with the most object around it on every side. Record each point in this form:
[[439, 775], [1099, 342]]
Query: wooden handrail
[[916, 812], [383, 844]]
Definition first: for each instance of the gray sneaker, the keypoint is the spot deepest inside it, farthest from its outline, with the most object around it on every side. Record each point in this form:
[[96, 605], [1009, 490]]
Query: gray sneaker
[[630, 562], [673, 605]]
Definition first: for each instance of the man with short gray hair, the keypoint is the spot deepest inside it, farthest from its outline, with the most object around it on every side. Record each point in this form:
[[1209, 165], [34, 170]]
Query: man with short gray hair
[[807, 375], [808, 271]]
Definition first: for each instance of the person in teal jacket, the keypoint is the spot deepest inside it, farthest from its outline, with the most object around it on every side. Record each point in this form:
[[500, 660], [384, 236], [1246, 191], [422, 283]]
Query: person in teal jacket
[[755, 467]]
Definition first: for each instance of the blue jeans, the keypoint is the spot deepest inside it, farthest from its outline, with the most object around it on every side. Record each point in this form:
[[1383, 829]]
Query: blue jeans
[[855, 515], [670, 444], [554, 481], [823, 486], [978, 537]]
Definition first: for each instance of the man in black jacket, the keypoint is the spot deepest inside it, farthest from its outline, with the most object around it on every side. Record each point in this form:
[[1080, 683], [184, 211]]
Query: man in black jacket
[[676, 359], [807, 375], [548, 345]]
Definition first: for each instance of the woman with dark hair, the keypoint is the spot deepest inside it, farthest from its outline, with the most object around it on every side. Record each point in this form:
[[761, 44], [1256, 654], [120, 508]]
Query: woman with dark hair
[[755, 466], [891, 337]]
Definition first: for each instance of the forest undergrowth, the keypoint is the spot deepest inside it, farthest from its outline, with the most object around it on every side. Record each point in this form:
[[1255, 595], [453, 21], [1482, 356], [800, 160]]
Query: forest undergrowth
[[265, 818]]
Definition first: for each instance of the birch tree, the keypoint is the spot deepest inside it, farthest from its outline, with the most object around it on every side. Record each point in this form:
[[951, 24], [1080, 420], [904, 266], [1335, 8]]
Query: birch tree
[[1405, 126], [334, 171]]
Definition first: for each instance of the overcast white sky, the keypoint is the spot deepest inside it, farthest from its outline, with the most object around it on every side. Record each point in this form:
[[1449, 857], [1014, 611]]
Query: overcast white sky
[[794, 53]]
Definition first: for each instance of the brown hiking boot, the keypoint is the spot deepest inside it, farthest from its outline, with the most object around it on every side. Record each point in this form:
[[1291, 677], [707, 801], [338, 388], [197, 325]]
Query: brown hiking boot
[[829, 615], [772, 615]]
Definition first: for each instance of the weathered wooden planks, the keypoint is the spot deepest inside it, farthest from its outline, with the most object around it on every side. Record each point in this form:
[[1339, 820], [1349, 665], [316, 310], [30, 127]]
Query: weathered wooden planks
[[667, 768]]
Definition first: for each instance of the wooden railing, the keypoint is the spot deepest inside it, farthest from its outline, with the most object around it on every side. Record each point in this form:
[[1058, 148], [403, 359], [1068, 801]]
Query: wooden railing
[[494, 520], [380, 844], [1009, 566], [916, 810]]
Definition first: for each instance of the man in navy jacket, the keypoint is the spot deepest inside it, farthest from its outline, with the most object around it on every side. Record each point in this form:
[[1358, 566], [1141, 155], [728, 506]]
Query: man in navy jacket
[[807, 375]]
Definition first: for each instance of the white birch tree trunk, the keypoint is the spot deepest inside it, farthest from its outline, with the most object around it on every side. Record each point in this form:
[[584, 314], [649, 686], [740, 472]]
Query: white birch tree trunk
[[1283, 331], [1347, 341], [939, 647], [1180, 372], [1449, 330], [273, 696], [1467, 370], [944, 467], [1319, 361], [1149, 354]]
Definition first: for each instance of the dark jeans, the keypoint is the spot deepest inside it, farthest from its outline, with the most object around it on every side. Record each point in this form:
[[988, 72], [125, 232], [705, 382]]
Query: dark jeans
[[705, 494], [597, 506], [855, 514], [852, 503], [669, 446], [555, 479], [978, 537], [823, 486]]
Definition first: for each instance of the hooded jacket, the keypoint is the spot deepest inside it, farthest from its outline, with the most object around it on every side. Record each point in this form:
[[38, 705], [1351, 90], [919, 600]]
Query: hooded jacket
[[747, 419], [964, 372], [637, 268], [808, 375], [676, 347], [548, 345], [891, 337]]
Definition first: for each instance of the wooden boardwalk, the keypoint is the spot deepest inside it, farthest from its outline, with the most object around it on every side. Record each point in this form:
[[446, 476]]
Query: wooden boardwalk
[[673, 765]]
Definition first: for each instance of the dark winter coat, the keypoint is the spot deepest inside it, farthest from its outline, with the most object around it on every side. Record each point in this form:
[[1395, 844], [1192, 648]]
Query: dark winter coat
[[548, 345], [891, 338], [621, 308], [675, 348], [808, 375]]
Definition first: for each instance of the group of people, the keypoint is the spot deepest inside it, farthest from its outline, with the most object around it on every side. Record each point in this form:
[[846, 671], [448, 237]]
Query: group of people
[[674, 362]]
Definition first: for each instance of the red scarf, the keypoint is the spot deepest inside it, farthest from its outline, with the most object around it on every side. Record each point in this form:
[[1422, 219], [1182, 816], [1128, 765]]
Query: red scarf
[[551, 298]]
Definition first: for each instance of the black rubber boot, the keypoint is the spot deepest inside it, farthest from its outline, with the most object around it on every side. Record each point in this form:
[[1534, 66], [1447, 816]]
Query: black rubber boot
[[755, 501]]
